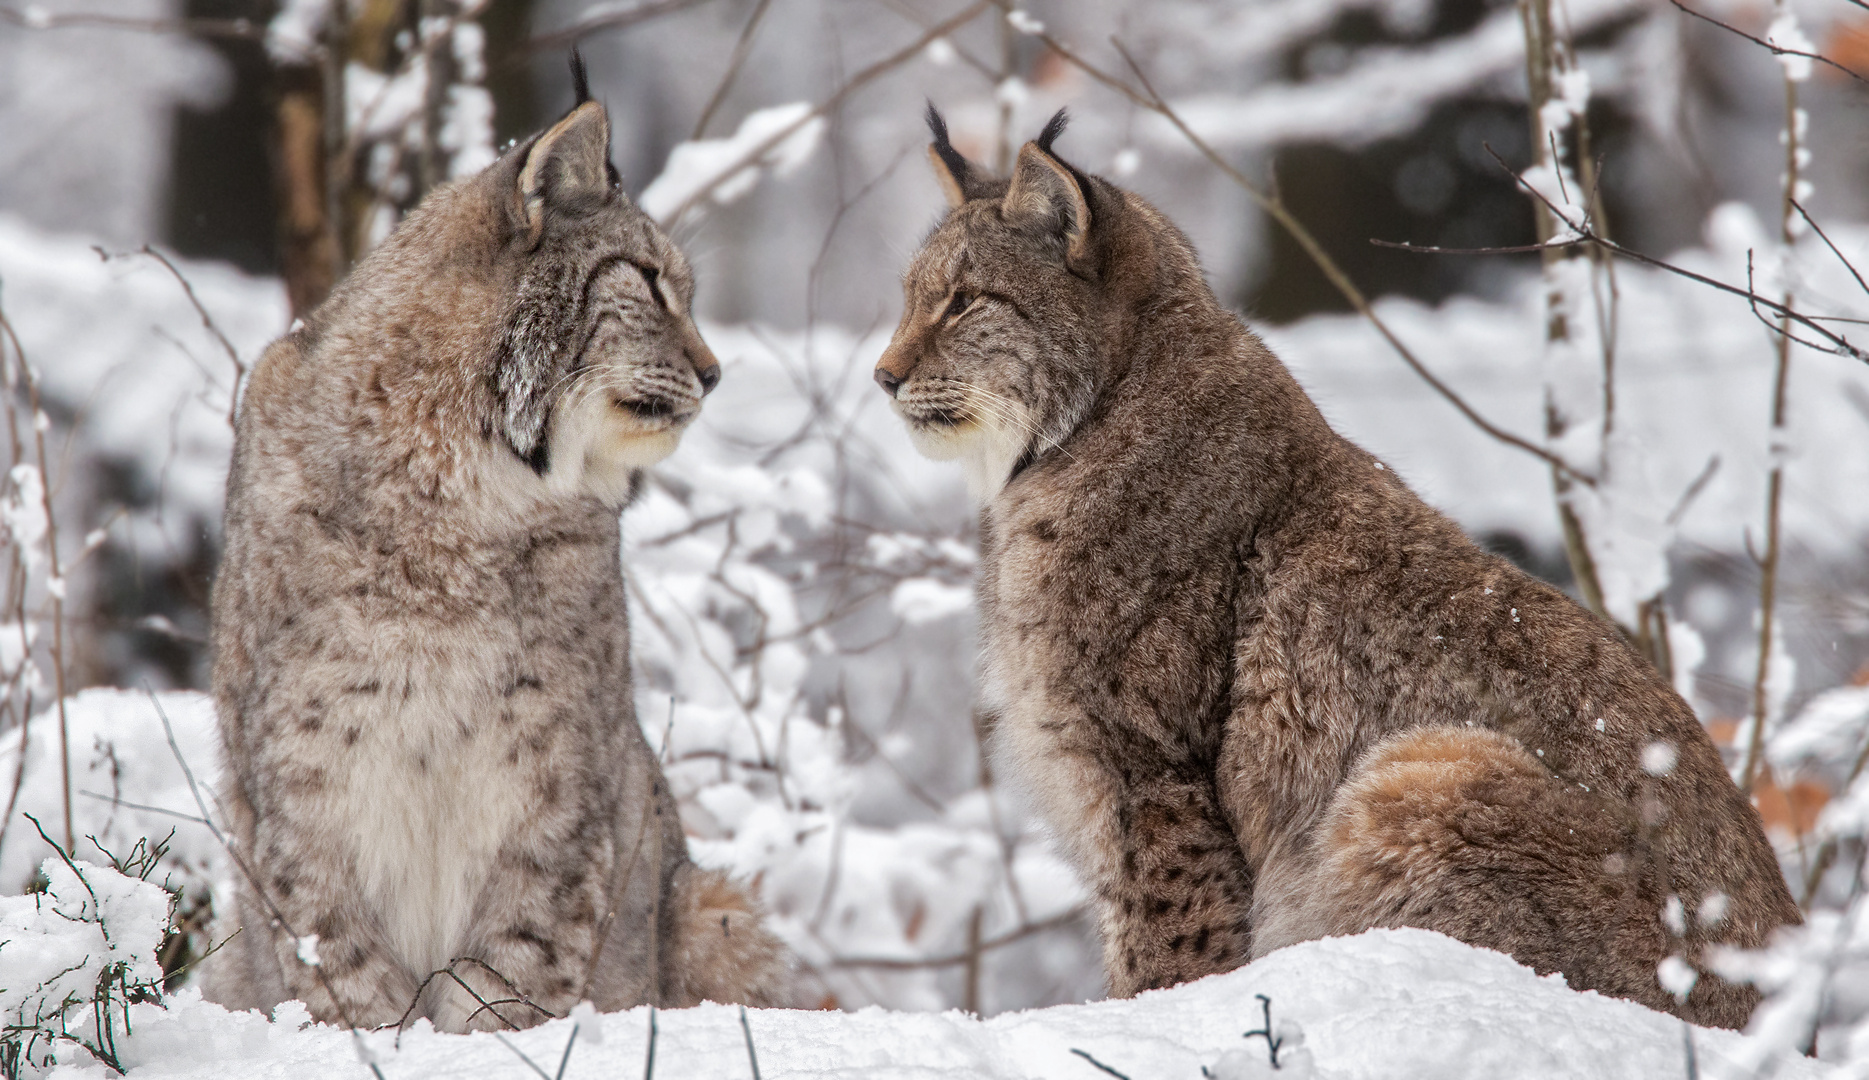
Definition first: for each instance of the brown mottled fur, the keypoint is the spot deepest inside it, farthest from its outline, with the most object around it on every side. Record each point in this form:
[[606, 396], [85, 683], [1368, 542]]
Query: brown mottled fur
[[1263, 692], [421, 648]]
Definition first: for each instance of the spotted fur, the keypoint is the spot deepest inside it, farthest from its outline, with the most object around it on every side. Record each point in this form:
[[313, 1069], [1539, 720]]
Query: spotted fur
[[421, 649], [1261, 691]]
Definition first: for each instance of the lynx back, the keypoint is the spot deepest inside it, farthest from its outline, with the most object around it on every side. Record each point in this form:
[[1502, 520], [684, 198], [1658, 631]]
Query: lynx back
[[1261, 690]]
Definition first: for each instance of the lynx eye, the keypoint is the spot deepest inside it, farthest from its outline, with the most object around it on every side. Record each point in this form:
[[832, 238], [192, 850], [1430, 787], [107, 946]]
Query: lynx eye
[[652, 277], [961, 302]]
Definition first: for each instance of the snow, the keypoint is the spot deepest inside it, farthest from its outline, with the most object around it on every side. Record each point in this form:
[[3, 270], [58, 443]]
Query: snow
[[1393, 1004], [1830, 728], [1786, 34], [1658, 758], [1023, 22], [724, 170], [1389, 1003], [1384, 91], [92, 927], [120, 754], [833, 762], [292, 35], [1694, 375], [925, 599]]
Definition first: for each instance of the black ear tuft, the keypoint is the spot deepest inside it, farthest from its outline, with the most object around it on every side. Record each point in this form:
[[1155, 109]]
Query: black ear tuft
[[1054, 127], [949, 156], [580, 80]]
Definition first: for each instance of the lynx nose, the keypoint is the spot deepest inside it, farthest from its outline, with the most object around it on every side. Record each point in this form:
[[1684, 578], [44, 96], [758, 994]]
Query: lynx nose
[[888, 380], [710, 377]]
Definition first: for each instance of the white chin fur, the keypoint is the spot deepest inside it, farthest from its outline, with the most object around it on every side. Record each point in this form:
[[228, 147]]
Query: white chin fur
[[986, 452], [595, 448]]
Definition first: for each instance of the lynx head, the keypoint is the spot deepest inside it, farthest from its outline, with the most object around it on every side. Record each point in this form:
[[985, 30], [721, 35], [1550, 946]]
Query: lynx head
[[599, 367], [998, 356]]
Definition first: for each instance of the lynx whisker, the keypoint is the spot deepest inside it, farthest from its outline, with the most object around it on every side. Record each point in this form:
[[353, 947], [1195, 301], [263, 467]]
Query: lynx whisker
[[1014, 414]]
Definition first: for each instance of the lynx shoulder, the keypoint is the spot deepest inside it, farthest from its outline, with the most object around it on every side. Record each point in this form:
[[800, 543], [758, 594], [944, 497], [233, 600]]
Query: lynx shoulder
[[1261, 690], [421, 650]]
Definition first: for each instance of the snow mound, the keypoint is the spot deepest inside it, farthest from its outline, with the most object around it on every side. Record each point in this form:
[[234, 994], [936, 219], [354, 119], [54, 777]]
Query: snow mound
[[120, 755], [88, 942], [1388, 1003]]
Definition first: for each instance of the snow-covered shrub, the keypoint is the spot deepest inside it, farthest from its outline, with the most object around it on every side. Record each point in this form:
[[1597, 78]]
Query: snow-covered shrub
[[77, 955]]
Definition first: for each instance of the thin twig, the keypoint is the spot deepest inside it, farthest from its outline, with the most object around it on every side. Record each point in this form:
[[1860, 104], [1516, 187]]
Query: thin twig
[[55, 582], [34, 18], [207, 323], [1085, 1054], [1837, 344], [415, 999], [1775, 480], [648, 1061], [565, 1062], [1504, 249], [521, 1054], [212, 949], [1776, 50], [1693, 491], [888, 963], [1825, 237], [741, 48], [852, 85], [747, 1030], [1827, 851], [613, 20]]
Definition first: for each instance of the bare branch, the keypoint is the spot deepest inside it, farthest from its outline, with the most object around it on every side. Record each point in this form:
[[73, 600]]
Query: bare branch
[[1825, 237], [35, 18], [889, 963], [1693, 491], [1775, 50], [852, 85], [208, 323], [603, 20], [740, 50], [1283, 215], [1837, 343]]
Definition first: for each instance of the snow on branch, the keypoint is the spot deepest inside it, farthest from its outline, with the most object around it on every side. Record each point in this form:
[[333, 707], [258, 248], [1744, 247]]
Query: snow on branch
[[780, 138], [1385, 92]]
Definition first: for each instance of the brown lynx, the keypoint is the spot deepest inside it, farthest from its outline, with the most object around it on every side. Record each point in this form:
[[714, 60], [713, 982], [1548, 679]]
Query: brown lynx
[[1261, 690], [422, 660]]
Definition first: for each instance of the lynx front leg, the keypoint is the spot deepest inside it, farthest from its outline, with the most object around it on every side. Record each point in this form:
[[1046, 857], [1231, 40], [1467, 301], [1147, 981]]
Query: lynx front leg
[[530, 939], [349, 974], [1175, 893]]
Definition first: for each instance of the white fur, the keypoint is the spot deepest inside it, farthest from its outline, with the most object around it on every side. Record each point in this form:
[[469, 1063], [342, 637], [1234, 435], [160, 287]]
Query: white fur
[[424, 810], [596, 446], [1069, 792], [986, 449]]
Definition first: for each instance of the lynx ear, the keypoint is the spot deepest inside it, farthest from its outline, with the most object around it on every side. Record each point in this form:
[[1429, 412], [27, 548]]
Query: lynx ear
[[1047, 192], [567, 166], [951, 169]]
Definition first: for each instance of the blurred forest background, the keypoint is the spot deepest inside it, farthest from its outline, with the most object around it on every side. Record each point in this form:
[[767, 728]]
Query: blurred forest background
[[178, 178]]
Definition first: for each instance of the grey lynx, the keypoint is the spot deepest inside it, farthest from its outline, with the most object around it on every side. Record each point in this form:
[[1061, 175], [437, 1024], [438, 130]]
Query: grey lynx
[[422, 660], [1262, 692]]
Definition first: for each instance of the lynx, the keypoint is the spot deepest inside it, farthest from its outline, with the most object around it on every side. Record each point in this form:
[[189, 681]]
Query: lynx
[[1261, 691], [421, 652]]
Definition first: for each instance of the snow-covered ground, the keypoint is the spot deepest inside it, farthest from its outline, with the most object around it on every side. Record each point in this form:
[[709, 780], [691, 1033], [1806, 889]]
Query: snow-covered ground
[[1389, 1004], [1392, 1004]]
